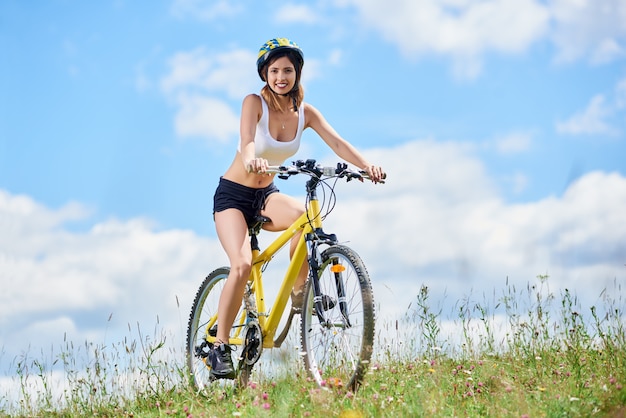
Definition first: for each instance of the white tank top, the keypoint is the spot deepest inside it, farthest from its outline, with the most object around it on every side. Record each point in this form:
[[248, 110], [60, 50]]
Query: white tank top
[[274, 151]]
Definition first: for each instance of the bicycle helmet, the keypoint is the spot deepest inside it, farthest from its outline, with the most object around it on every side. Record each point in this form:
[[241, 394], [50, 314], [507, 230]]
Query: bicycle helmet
[[279, 45]]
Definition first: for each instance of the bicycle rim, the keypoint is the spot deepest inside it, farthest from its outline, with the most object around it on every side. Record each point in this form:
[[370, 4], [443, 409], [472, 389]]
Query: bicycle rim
[[338, 353], [203, 309]]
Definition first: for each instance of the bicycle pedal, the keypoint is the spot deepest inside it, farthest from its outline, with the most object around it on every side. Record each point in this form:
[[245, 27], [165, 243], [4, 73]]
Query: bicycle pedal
[[203, 350]]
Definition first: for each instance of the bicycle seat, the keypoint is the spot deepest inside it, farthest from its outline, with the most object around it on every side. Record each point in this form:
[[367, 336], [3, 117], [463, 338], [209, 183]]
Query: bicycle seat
[[257, 223], [260, 219]]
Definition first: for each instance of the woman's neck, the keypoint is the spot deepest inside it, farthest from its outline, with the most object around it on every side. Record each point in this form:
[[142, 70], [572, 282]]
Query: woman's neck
[[285, 102]]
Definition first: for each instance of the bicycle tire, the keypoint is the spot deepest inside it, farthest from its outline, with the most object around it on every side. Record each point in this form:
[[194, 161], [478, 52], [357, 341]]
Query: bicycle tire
[[204, 307], [337, 354]]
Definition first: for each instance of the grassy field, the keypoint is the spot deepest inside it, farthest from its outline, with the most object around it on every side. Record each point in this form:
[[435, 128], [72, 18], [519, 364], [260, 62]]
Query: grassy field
[[527, 353]]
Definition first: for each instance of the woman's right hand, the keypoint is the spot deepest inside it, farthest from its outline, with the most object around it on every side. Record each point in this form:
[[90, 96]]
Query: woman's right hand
[[257, 165]]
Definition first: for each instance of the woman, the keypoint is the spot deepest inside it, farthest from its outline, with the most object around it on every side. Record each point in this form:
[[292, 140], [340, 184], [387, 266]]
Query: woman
[[271, 127]]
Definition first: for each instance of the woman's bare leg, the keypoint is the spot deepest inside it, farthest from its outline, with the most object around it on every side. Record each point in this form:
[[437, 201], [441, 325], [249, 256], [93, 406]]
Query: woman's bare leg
[[232, 232]]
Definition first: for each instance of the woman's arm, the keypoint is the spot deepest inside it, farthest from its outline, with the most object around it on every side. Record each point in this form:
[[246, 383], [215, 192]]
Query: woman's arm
[[251, 110], [340, 146]]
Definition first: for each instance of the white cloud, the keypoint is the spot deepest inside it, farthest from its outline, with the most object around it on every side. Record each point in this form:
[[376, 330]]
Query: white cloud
[[232, 73], [589, 28], [592, 120], [513, 143], [463, 30], [602, 115], [608, 50], [71, 282], [200, 116], [187, 69], [467, 30], [297, 13], [203, 84]]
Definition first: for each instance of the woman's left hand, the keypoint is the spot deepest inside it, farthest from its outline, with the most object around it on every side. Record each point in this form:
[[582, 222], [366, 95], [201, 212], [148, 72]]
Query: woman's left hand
[[375, 173]]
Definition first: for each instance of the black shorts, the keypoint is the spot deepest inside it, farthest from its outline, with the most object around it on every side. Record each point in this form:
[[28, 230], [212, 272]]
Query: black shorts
[[250, 201]]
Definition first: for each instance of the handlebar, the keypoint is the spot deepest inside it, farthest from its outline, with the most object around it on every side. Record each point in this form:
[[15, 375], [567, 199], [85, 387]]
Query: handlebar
[[312, 168]]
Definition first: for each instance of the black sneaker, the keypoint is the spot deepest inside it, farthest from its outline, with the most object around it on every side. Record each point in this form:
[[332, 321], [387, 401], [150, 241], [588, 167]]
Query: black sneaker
[[221, 362]]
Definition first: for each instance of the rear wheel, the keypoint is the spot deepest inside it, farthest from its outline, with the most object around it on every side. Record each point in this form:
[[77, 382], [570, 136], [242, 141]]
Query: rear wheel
[[338, 351]]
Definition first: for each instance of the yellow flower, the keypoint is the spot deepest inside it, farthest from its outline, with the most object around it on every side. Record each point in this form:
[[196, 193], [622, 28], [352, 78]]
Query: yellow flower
[[350, 413]]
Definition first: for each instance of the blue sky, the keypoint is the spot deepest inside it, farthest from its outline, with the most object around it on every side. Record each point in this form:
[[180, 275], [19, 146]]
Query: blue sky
[[501, 125]]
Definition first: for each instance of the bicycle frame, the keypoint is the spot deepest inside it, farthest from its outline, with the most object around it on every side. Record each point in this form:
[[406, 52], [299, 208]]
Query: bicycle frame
[[336, 310], [308, 222]]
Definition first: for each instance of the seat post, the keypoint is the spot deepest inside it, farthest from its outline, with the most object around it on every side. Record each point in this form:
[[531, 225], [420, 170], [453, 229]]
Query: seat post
[[253, 231]]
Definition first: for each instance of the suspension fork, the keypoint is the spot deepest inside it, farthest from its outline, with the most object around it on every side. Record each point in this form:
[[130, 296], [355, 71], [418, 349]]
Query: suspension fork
[[337, 270], [313, 240], [312, 246]]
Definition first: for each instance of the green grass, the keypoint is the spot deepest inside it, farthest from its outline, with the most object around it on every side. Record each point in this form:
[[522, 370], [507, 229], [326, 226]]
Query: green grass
[[525, 353]]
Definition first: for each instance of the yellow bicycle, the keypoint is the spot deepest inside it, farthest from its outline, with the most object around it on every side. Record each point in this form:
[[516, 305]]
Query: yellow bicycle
[[337, 315]]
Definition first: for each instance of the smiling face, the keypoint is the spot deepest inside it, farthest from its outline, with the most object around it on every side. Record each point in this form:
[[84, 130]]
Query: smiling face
[[281, 75]]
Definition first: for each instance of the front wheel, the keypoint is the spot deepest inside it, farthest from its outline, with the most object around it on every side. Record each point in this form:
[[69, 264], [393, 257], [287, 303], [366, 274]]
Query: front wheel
[[338, 351]]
